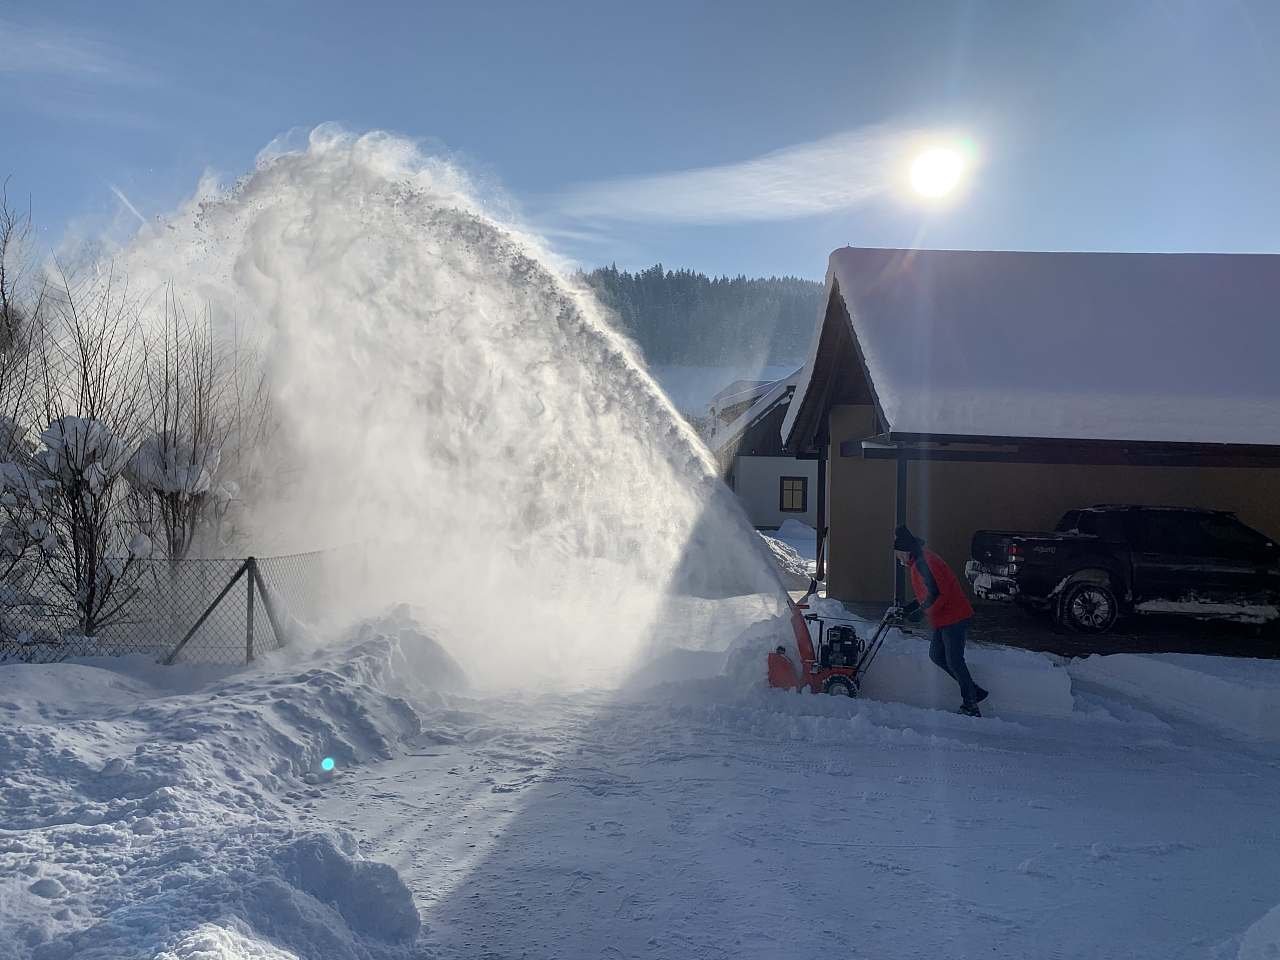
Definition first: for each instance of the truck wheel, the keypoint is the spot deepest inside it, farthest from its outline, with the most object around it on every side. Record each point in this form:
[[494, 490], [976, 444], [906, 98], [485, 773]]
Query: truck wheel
[[840, 687], [1088, 607]]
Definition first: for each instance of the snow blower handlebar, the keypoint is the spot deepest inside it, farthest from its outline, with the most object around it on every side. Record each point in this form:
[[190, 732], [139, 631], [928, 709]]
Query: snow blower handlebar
[[893, 617]]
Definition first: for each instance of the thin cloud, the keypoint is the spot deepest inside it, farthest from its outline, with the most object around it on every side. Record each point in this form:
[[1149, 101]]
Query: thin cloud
[[56, 51], [822, 176]]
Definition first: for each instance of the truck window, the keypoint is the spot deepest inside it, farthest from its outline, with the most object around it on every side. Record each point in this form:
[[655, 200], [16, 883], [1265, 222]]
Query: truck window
[[1160, 531], [1069, 522], [1216, 535], [1107, 526]]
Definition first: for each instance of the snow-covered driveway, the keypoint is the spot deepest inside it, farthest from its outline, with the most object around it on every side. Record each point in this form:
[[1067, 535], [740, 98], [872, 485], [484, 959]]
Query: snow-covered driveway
[[161, 814], [687, 821]]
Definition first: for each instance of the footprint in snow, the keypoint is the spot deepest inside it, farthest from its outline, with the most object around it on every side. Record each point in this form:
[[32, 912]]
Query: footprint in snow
[[48, 887]]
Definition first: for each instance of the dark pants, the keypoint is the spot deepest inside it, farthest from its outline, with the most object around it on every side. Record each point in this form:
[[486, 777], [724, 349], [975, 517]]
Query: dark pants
[[946, 649]]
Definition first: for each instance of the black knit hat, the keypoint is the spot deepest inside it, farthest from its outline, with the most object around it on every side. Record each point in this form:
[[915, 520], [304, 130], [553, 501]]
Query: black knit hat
[[904, 539]]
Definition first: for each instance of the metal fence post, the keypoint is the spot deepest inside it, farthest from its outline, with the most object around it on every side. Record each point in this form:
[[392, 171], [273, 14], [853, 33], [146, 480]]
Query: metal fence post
[[173, 655], [252, 564], [276, 626]]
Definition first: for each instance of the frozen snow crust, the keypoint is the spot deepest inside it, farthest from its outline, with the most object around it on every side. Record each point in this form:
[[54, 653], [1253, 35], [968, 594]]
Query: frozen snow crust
[[141, 822]]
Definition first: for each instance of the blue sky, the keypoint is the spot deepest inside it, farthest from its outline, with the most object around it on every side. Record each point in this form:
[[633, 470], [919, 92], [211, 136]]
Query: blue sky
[[633, 132]]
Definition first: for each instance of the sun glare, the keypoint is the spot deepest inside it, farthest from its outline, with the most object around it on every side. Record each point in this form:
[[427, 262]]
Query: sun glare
[[937, 171]]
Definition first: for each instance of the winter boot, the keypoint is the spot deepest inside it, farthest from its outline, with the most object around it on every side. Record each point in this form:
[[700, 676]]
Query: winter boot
[[982, 695], [969, 710]]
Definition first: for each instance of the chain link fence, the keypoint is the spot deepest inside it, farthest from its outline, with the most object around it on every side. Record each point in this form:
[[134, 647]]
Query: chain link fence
[[203, 611]]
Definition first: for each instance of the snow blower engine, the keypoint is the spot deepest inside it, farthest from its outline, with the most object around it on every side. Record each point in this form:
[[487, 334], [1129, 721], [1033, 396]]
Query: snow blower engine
[[834, 657]]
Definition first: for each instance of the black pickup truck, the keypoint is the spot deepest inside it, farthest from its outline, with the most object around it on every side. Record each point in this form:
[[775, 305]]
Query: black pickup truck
[[1105, 561]]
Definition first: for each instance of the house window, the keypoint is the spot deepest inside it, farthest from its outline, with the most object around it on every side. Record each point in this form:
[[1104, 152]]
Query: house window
[[793, 494]]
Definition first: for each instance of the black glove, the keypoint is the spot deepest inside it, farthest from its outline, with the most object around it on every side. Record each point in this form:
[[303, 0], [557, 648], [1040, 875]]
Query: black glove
[[913, 611]]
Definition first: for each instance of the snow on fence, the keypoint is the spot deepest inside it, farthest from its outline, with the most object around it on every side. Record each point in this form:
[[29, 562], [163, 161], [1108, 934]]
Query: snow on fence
[[207, 611]]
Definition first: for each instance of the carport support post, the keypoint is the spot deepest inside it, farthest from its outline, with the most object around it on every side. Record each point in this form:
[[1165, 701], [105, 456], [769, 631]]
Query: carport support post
[[252, 566], [900, 520], [824, 443]]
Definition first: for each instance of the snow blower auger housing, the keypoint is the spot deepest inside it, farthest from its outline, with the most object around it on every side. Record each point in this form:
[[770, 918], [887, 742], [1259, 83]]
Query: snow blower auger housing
[[840, 658]]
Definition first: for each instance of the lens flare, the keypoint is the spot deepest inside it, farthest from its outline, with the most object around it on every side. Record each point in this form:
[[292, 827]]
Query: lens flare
[[327, 764], [937, 171]]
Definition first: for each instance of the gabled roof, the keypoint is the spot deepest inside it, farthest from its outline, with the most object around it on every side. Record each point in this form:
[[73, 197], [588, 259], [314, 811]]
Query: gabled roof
[[1169, 348], [779, 392]]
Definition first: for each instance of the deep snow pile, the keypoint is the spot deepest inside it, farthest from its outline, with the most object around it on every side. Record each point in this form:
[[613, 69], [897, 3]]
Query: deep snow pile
[[139, 820]]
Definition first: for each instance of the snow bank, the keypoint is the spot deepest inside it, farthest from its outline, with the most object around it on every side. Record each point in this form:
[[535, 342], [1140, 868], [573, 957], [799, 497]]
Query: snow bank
[[1238, 695], [140, 821], [1020, 681]]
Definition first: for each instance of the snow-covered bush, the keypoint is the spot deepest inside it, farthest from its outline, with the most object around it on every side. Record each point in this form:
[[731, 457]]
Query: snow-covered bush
[[87, 355], [124, 434]]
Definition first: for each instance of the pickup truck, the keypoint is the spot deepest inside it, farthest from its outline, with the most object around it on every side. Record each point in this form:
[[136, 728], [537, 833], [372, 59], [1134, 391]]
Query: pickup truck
[[1105, 561]]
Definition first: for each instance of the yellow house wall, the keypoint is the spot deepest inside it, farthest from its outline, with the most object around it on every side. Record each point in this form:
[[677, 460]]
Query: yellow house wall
[[947, 502]]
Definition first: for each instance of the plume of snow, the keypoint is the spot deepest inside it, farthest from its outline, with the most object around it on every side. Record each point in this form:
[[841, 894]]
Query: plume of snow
[[445, 396]]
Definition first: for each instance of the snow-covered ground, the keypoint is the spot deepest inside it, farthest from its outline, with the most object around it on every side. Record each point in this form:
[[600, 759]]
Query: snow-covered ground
[[185, 814]]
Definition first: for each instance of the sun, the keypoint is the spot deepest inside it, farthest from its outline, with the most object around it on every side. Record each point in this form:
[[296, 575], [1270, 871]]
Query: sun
[[937, 171]]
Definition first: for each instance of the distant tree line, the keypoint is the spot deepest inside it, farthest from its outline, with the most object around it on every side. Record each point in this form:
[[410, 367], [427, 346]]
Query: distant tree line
[[686, 317]]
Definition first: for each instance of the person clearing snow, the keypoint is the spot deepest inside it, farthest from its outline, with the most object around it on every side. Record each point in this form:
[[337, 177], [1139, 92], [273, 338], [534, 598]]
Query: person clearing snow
[[940, 597]]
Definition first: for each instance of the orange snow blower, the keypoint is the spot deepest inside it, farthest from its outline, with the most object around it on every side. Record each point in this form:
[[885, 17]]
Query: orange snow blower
[[839, 660]]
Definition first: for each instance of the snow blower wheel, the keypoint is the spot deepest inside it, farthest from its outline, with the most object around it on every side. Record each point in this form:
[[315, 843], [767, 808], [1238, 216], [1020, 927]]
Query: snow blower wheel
[[840, 687]]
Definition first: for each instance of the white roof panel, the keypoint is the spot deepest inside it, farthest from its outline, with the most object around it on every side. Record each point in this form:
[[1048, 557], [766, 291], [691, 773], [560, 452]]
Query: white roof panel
[[1107, 346]]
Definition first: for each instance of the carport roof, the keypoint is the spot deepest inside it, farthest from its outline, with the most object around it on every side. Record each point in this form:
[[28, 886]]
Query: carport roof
[[1125, 347]]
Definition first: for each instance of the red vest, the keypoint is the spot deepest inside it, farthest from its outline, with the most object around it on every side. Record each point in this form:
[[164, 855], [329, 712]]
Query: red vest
[[951, 605]]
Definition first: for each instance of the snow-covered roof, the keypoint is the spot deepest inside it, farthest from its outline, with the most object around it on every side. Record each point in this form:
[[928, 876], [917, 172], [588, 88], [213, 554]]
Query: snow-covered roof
[[1099, 346], [778, 392], [725, 403], [737, 390]]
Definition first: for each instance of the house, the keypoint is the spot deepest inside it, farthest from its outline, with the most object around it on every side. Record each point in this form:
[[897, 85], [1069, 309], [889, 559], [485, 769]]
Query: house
[[746, 440], [963, 390]]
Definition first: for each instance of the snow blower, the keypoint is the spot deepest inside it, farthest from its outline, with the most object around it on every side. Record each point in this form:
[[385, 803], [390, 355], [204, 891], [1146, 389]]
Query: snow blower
[[841, 657]]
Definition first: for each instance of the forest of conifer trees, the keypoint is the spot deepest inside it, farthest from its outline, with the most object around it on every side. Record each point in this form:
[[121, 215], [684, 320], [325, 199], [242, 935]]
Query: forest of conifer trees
[[685, 317]]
